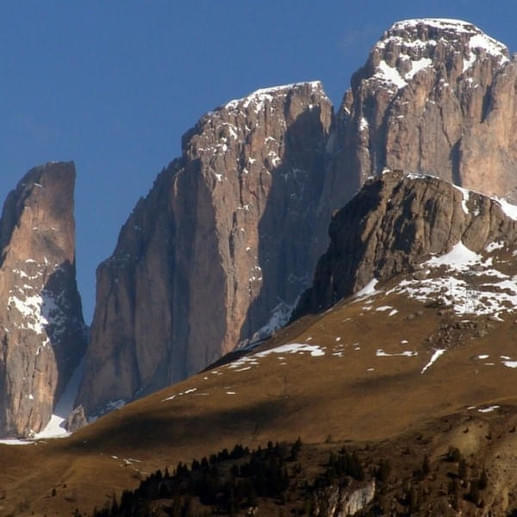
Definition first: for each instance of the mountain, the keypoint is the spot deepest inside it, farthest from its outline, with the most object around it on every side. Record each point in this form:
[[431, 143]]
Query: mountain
[[419, 363], [217, 250], [41, 325], [402, 347], [435, 96]]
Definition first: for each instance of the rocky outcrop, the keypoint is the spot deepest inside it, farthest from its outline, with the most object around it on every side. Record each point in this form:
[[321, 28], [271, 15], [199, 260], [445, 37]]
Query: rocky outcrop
[[42, 333], [76, 419], [218, 249], [355, 500], [343, 500], [396, 222], [435, 96]]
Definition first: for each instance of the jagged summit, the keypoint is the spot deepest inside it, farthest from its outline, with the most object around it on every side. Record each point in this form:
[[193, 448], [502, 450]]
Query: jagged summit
[[442, 25], [266, 94], [410, 46], [434, 95], [432, 30]]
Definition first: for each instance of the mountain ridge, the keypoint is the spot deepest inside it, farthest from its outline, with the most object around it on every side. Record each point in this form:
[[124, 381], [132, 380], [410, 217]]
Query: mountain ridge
[[226, 240], [428, 94], [383, 369]]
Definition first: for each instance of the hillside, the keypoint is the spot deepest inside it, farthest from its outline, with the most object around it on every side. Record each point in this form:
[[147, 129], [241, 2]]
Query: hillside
[[366, 371]]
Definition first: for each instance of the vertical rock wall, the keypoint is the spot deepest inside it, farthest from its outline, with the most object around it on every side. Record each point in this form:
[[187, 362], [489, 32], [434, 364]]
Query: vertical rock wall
[[42, 333], [220, 246]]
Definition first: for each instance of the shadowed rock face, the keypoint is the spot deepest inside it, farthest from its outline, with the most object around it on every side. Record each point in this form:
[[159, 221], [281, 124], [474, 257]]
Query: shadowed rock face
[[42, 333], [220, 242], [396, 222], [435, 96]]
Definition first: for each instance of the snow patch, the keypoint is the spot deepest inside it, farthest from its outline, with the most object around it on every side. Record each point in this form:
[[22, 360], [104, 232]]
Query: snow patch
[[389, 74], [508, 209], [436, 355], [494, 246], [16, 441], [279, 317], [186, 392], [466, 194], [490, 46], [368, 289], [417, 66], [408, 353], [459, 258], [293, 348], [439, 23], [488, 409]]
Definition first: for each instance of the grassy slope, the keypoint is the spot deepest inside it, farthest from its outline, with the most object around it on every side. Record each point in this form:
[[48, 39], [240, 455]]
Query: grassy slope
[[281, 398]]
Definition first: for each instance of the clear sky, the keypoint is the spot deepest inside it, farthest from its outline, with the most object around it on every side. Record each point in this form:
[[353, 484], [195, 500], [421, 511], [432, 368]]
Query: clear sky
[[114, 84]]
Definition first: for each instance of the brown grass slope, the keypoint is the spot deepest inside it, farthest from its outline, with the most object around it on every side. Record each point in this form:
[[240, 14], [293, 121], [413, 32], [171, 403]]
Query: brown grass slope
[[350, 392]]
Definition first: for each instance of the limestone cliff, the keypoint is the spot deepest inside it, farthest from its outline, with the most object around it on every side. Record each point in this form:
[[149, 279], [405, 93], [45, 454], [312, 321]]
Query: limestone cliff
[[436, 96], [42, 333], [218, 248]]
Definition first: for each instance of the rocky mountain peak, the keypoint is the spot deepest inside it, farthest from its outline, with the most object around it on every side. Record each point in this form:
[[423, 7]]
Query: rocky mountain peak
[[438, 38], [252, 122], [435, 96], [452, 48], [217, 253], [41, 325], [262, 95]]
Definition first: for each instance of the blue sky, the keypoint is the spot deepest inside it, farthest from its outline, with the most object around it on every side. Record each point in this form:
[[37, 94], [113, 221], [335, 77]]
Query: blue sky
[[114, 84]]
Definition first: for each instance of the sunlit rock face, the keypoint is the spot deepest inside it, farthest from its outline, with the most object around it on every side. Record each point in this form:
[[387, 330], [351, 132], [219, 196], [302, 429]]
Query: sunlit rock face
[[435, 96], [42, 333], [218, 250]]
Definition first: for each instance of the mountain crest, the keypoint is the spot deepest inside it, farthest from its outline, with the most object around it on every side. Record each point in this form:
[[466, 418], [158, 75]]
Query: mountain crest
[[436, 96], [411, 46]]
